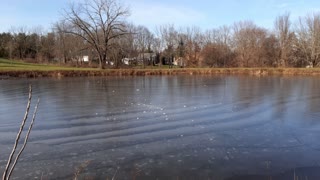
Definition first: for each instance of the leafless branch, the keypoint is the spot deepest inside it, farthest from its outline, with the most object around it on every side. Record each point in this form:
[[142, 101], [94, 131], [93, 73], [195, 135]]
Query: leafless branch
[[10, 166], [115, 174], [25, 139], [18, 135]]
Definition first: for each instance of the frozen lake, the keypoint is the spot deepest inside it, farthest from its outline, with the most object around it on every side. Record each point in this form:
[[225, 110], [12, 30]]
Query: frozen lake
[[166, 127]]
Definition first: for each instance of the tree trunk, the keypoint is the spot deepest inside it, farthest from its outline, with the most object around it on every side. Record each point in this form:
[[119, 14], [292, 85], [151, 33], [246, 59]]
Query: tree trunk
[[143, 60], [102, 60]]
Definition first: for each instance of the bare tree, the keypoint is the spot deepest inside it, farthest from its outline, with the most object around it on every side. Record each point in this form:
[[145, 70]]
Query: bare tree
[[222, 35], [283, 33], [129, 43], [144, 41], [217, 44], [214, 55], [69, 47], [48, 46], [97, 22], [5, 42], [19, 41], [271, 51], [169, 40], [156, 45], [308, 38], [193, 45], [248, 42], [62, 49]]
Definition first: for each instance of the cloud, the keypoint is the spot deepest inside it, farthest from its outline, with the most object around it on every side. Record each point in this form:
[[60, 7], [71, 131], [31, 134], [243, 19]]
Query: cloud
[[152, 14]]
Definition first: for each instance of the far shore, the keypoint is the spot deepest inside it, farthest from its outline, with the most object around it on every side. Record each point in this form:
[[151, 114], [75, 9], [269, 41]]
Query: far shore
[[5, 74], [22, 69]]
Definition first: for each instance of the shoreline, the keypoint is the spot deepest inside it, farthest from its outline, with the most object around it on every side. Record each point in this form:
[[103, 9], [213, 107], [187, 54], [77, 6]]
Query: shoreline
[[6, 74]]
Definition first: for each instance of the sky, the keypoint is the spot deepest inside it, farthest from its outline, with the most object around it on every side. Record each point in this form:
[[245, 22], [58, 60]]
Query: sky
[[206, 14]]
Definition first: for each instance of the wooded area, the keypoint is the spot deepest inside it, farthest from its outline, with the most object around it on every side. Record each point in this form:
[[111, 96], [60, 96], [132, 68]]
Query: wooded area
[[98, 29]]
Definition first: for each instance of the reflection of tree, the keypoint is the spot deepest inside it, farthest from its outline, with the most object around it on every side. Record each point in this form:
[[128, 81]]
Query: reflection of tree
[[249, 91], [269, 92], [314, 102], [283, 88], [287, 98]]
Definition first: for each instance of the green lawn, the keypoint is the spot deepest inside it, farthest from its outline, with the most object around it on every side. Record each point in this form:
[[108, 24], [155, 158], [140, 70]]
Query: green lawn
[[13, 65]]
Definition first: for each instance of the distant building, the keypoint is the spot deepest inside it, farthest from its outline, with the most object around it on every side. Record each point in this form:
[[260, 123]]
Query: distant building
[[148, 58], [127, 61], [83, 59]]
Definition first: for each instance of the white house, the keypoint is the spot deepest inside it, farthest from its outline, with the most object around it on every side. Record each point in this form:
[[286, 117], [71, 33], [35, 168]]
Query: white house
[[126, 61], [147, 57], [83, 58]]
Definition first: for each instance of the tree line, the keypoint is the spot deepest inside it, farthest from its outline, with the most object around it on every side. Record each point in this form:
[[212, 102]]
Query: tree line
[[99, 29]]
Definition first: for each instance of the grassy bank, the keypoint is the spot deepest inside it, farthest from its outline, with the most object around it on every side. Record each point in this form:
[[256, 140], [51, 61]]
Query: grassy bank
[[9, 68], [13, 65]]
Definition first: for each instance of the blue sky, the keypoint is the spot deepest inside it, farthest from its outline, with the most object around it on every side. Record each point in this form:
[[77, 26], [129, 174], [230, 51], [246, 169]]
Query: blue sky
[[203, 13]]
